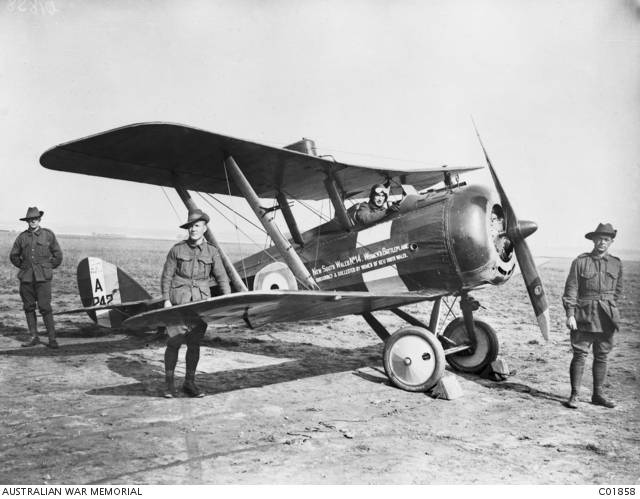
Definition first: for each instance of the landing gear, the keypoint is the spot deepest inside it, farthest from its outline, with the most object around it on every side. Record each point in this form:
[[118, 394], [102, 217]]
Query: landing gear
[[413, 359], [414, 356], [480, 353], [479, 338]]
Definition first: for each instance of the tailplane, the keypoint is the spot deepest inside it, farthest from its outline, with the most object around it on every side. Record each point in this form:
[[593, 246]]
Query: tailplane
[[108, 294]]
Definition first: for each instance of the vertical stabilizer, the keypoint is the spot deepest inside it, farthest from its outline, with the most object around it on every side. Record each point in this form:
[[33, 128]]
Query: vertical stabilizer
[[101, 283]]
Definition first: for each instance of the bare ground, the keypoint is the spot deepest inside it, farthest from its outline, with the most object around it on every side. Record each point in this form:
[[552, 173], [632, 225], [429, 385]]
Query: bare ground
[[306, 403]]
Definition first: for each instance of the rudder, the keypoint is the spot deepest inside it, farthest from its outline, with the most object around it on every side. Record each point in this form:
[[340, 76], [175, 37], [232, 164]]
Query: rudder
[[101, 283]]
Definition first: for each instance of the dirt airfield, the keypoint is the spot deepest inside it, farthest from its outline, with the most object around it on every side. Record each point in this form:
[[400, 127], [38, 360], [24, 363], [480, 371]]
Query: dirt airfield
[[304, 403]]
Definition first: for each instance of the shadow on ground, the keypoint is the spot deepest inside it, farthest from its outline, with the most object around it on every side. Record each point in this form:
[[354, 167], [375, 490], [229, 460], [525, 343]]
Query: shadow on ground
[[310, 360]]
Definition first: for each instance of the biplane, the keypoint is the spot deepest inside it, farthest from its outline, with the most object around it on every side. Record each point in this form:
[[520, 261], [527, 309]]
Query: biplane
[[445, 239]]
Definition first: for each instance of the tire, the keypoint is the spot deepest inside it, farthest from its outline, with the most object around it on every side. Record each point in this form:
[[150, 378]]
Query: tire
[[486, 350], [413, 359]]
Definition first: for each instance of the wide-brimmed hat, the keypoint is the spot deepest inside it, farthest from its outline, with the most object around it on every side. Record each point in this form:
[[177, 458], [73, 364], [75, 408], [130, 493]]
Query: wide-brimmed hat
[[32, 212], [602, 229], [195, 216]]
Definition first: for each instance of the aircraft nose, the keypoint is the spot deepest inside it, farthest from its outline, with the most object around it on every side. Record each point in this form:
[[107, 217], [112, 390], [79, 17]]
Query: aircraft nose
[[523, 230]]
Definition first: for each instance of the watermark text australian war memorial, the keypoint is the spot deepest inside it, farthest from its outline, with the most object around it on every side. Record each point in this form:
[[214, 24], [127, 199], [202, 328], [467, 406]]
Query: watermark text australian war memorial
[[70, 491]]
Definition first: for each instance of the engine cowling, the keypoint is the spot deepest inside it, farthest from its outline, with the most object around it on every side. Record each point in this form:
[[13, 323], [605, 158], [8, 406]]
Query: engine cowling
[[476, 230]]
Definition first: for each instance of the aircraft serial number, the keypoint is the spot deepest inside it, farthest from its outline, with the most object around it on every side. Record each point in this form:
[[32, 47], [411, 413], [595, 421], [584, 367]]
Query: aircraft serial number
[[102, 300]]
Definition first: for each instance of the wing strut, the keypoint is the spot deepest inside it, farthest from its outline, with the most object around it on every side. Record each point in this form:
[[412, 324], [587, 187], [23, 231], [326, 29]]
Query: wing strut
[[338, 204], [236, 281], [266, 218], [283, 202]]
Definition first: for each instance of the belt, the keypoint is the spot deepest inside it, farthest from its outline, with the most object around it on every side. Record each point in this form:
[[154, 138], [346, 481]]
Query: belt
[[191, 282], [596, 296]]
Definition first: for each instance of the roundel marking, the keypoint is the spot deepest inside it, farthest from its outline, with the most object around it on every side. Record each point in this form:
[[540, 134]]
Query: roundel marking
[[276, 275]]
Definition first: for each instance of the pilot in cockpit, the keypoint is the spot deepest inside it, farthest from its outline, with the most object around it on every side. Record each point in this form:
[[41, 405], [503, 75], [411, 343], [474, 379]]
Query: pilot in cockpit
[[377, 208]]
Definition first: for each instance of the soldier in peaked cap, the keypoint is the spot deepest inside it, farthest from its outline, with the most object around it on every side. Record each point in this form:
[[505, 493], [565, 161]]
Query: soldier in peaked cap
[[591, 292], [36, 253], [187, 276]]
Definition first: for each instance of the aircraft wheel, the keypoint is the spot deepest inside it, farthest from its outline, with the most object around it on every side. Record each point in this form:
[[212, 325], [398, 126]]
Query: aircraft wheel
[[413, 359], [486, 350]]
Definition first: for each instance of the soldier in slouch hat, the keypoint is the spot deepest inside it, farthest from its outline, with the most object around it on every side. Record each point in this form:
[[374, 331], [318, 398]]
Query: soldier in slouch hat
[[591, 292], [36, 253], [187, 275]]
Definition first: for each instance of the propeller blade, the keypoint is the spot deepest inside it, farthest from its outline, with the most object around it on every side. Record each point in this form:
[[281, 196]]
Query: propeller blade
[[534, 286], [510, 215], [516, 232]]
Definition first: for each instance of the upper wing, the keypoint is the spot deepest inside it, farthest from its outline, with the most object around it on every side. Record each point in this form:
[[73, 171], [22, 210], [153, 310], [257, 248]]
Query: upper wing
[[258, 308], [161, 153]]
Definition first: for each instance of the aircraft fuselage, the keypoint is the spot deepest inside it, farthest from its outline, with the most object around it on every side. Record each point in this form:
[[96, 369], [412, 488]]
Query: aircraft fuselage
[[438, 243]]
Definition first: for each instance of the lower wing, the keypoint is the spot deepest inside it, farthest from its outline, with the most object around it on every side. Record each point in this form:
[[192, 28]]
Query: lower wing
[[255, 309]]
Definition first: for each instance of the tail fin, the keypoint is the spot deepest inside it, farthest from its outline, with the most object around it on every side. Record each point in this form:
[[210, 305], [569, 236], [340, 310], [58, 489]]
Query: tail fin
[[101, 283]]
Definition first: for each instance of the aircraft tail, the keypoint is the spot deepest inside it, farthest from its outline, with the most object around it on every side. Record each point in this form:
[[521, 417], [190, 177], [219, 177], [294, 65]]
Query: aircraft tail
[[102, 284]]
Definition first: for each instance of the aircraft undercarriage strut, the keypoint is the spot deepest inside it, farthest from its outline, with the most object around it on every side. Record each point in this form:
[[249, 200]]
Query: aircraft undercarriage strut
[[450, 347], [468, 305]]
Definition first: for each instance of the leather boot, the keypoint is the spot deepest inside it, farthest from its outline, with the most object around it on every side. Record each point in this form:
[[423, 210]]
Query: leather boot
[[51, 330], [170, 389], [32, 325], [189, 387], [599, 375], [576, 370], [572, 402]]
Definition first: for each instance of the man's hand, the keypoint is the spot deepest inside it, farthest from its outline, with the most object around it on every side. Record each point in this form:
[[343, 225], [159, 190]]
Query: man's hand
[[167, 303], [571, 323], [393, 207]]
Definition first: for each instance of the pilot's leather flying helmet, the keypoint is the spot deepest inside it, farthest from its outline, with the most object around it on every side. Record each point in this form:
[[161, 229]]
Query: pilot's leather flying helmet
[[378, 189], [602, 230], [195, 216]]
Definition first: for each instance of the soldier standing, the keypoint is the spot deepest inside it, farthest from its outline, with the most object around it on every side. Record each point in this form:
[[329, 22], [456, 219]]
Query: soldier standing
[[592, 289], [186, 277], [36, 253]]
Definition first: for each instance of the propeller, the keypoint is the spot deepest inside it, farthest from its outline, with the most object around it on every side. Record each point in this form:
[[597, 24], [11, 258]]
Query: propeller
[[517, 231]]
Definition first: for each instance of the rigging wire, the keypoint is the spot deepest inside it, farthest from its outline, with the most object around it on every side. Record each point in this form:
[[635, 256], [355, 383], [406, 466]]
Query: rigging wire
[[237, 228], [227, 219], [261, 229], [169, 199], [244, 270]]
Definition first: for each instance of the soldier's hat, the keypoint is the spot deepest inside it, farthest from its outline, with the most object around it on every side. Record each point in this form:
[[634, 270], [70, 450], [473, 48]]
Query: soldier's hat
[[195, 216], [32, 212], [603, 230]]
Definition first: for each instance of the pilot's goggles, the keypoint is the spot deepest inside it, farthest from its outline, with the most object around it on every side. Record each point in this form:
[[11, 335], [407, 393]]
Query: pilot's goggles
[[379, 191]]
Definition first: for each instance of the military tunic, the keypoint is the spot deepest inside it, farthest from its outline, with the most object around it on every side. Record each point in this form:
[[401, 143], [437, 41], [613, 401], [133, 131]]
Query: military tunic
[[36, 253], [190, 270], [593, 286]]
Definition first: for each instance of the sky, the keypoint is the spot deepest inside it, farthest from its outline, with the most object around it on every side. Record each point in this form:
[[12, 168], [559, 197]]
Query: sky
[[553, 86]]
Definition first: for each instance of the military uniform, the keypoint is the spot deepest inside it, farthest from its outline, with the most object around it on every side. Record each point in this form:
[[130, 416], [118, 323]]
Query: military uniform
[[591, 291], [36, 253], [189, 272]]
